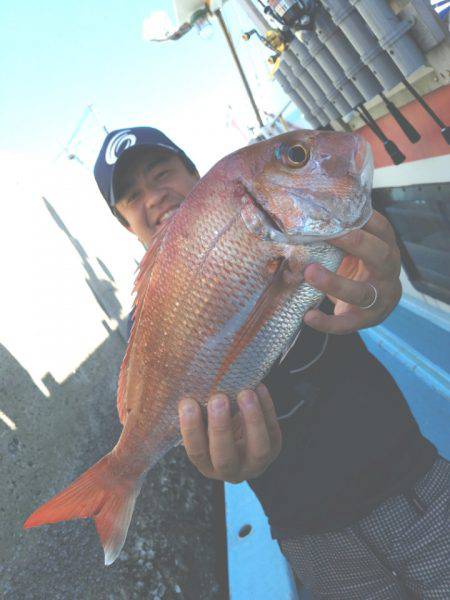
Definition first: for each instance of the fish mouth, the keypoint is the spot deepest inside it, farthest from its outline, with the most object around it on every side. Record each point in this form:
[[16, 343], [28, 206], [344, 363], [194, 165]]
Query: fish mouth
[[358, 224], [313, 219]]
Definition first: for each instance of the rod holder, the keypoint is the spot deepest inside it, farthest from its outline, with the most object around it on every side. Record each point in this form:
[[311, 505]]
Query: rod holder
[[364, 41], [313, 88], [309, 63], [340, 46], [304, 94], [392, 34], [296, 99], [332, 68]]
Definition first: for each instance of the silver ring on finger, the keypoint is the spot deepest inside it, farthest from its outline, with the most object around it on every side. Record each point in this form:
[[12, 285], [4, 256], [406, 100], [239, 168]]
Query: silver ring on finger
[[374, 299]]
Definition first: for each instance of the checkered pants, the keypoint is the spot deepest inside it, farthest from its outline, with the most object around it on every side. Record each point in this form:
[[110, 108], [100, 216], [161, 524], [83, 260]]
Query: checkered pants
[[400, 551]]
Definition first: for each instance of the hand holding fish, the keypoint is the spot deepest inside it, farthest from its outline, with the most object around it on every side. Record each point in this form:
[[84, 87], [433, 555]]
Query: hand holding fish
[[235, 448], [373, 258]]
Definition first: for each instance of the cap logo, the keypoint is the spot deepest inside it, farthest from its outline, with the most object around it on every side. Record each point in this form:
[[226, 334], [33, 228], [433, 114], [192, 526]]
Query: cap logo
[[117, 144]]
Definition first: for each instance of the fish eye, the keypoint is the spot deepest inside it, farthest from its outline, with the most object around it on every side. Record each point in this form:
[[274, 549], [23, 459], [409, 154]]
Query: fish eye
[[297, 156]]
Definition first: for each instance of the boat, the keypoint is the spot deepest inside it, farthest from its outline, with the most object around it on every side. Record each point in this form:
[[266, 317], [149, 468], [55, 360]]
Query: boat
[[382, 69]]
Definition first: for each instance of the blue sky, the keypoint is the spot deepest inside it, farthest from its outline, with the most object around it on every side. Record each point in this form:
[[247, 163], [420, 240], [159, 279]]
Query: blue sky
[[57, 57]]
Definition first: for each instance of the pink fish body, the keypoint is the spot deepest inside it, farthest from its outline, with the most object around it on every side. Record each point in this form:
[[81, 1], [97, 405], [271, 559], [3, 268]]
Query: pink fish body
[[213, 310]]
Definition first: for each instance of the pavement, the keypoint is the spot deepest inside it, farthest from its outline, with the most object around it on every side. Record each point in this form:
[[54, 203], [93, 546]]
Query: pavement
[[67, 272]]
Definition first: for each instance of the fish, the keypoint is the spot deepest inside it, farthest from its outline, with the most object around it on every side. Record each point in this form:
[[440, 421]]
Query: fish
[[213, 307]]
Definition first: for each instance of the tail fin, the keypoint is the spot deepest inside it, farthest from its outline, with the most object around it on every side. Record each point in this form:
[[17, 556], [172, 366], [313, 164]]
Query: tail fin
[[99, 493]]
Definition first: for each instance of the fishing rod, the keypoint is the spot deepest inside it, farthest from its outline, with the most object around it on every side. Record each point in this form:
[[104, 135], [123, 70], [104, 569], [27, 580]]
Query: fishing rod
[[445, 129], [294, 14], [94, 113], [281, 40], [406, 126], [285, 38], [392, 149], [65, 149]]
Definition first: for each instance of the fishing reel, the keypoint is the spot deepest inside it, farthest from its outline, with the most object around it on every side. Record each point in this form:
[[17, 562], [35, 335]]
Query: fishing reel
[[277, 40], [293, 16], [297, 15]]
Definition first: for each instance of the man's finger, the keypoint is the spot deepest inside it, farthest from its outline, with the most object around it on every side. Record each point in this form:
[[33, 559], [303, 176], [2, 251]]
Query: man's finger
[[375, 253], [195, 439], [258, 454], [270, 416], [293, 271], [379, 226], [358, 293], [222, 447], [337, 324]]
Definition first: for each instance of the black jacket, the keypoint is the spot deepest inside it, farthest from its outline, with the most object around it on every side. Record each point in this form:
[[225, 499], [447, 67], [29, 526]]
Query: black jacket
[[351, 444]]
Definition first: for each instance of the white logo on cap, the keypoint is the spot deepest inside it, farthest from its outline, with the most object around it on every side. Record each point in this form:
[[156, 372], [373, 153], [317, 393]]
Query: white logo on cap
[[123, 140]]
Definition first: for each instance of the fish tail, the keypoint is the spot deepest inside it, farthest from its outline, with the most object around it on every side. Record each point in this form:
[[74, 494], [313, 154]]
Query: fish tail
[[102, 493]]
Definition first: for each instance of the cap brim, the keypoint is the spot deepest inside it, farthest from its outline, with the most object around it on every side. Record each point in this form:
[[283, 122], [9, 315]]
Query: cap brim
[[135, 150]]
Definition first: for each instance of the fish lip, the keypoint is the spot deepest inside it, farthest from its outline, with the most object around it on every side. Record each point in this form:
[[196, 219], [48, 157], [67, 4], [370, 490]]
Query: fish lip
[[358, 225], [310, 238]]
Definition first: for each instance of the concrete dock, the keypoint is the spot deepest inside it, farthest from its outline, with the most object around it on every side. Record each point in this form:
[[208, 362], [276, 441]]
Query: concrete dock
[[67, 272]]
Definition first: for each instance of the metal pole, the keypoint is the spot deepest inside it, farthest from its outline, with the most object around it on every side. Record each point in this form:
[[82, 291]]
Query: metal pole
[[238, 65], [96, 117]]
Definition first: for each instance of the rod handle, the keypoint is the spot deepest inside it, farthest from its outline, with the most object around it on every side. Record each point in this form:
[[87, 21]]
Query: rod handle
[[394, 152], [445, 131], [408, 129]]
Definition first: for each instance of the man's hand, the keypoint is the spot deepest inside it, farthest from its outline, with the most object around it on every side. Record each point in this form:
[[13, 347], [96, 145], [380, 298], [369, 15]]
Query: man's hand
[[231, 449], [373, 257]]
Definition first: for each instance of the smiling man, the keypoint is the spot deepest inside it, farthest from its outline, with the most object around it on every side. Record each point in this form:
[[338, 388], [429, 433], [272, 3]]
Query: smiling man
[[150, 187], [355, 495]]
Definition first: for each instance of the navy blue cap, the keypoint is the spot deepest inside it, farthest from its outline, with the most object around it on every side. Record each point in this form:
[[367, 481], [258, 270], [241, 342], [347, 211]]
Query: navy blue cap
[[123, 141]]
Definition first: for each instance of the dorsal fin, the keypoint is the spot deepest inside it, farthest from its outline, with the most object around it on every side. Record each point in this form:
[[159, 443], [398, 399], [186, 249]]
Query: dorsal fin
[[140, 288]]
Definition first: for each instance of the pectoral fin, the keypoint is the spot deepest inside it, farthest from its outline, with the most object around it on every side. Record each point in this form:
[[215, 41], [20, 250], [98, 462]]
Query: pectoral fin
[[275, 294]]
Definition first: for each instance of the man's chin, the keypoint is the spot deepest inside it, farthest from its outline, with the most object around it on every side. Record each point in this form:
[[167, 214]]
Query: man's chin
[[146, 237]]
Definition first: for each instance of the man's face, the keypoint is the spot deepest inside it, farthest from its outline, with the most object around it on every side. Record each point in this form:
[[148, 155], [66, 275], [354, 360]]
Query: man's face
[[150, 187]]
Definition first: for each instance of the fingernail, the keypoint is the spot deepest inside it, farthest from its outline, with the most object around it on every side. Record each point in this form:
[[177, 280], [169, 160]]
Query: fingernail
[[218, 404], [261, 389], [247, 399], [310, 317], [187, 408]]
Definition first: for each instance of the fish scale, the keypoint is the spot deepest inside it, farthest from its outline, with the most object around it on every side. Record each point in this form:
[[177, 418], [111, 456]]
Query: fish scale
[[214, 309]]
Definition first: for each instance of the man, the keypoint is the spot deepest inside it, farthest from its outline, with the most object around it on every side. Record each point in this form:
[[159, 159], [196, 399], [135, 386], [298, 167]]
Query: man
[[356, 496]]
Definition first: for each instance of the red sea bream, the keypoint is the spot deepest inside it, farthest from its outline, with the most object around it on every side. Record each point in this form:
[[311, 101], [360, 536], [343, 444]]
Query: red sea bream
[[214, 310]]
